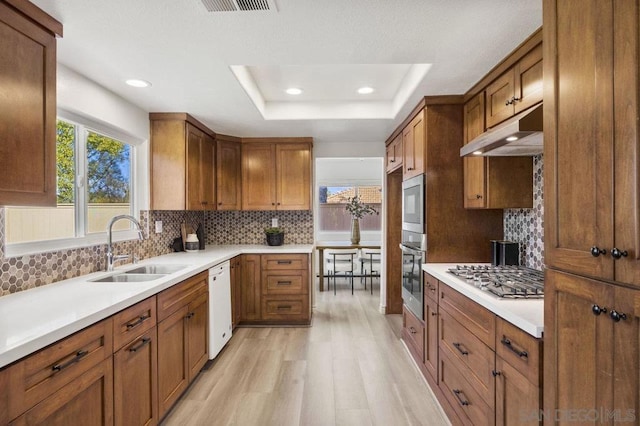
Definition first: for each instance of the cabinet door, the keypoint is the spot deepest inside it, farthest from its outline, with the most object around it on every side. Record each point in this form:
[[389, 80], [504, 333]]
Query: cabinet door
[[578, 344], [518, 401], [250, 288], [413, 149], [578, 130], [474, 167], [293, 169], [626, 135], [173, 373], [394, 154], [228, 175], [197, 334], [258, 176], [207, 173], [88, 400], [528, 80], [499, 99], [194, 178], [27, 111], [236, 290], [135, 381], [431, 337]]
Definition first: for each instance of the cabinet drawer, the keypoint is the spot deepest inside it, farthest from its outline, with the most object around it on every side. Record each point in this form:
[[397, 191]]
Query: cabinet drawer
[[465, 400], [36, 377], [472, 356], [478, 320], [413, 332], [284, 261], [133, 321], [294, 282], [287, 308], [181, 294], [521, 350], [430, 286]]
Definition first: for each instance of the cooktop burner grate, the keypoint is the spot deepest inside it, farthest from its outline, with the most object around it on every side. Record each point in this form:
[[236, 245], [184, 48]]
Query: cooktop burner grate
[[508, 282]]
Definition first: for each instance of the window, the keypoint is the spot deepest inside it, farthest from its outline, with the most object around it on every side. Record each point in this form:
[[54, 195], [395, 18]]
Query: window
[[333, 217], [94, 183]]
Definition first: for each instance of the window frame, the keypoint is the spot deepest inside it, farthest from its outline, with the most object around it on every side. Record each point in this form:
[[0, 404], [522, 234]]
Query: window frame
[[139, 159]]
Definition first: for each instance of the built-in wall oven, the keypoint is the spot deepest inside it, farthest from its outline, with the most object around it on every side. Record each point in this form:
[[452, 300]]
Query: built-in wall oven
[[414, 244]]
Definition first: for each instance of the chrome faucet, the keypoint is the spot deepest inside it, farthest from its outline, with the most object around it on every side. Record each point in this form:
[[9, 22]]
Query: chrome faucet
[[111, 258]]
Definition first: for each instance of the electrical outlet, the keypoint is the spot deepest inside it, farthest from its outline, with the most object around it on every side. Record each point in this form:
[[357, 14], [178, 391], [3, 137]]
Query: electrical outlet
[[158, 226], [274, 222]]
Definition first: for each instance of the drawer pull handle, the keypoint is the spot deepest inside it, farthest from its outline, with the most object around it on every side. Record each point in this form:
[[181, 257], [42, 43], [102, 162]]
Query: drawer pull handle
[[284, 282], [457, 393], [507, 343], [137, 322], [78, 357], [284, 262], [458, 346], [284, 307], [143, 342]]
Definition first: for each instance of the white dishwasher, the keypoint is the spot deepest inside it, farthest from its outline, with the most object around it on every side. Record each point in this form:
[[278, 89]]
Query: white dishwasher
[[219, 308]]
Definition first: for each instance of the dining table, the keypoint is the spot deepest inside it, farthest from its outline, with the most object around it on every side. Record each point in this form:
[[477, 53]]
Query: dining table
[[321, 246]]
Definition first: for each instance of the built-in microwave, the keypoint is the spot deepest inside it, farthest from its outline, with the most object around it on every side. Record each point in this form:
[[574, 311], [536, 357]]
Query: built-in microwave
[[413, 204]]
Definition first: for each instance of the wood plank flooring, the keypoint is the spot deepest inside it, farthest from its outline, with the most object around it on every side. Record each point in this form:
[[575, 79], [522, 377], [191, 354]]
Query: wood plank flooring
[[349, 368]]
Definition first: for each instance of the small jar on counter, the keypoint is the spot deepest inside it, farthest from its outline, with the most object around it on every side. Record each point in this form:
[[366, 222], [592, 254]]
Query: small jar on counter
[[191, 244]]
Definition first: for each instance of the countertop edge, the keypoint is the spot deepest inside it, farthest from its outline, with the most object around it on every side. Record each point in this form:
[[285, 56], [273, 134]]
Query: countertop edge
[[498, 307]]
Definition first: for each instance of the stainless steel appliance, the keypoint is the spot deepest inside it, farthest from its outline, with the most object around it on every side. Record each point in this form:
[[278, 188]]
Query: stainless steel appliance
[[412, 287], [505, 253], [506, 282], [413, 204]]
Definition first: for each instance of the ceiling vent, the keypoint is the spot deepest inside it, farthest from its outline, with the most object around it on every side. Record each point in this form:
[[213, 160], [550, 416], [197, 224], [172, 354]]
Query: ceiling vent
[[240, 5]]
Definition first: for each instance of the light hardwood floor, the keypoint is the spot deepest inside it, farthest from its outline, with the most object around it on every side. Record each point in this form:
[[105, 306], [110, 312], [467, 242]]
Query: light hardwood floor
[[349, 368]]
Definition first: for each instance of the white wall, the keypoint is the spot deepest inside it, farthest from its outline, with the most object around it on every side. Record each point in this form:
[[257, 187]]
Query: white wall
[[349, 149]]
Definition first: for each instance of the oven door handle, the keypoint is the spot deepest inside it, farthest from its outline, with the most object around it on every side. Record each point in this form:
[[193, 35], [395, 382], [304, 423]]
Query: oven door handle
[[411, 251]]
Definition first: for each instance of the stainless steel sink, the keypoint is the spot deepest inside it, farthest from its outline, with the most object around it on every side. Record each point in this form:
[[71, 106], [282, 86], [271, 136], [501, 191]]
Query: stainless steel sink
[[128, 278], [156, 269]]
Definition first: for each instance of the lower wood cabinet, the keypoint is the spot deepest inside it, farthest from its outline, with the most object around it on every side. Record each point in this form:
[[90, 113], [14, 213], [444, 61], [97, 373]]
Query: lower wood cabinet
[[482, 369], [250, 306], [236, 291]]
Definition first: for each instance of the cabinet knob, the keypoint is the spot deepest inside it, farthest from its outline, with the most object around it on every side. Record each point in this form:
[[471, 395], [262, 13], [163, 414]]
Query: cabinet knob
[[515, 99], [507, 102], [617, 254], [478, 197], [597, 251], [617, 316], [597, 310], [409, 168], [495, 373], [273, 204], [220, 203]]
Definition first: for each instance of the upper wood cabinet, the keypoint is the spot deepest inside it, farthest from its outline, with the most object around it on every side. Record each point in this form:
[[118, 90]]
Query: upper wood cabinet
[[394, 154], [228, 173], [276, 175], [517, 89], [27, 105], [182, 163], [475, 173], [592, 218], [413, 147]]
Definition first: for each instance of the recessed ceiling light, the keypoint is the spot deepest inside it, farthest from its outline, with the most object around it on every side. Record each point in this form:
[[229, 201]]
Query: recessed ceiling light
[[138, 83], [365, 90], [512, 138], [293, 91], [477, 152]]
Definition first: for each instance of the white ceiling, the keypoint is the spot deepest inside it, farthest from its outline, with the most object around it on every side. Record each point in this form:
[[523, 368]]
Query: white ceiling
[[328, 48]]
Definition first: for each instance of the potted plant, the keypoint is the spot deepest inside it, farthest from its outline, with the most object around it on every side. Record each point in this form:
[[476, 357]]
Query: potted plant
[[275, 236], [358, 210]]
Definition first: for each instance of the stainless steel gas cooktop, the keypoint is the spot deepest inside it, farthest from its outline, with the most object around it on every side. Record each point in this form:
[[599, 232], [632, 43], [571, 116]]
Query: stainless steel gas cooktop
[[508, 282]]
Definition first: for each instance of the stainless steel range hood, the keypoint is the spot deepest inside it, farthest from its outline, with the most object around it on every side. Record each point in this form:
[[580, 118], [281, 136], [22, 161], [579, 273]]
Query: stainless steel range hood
[[521, 135]]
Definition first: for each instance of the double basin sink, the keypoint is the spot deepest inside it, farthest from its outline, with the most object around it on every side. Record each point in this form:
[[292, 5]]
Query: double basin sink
[[142, 273]]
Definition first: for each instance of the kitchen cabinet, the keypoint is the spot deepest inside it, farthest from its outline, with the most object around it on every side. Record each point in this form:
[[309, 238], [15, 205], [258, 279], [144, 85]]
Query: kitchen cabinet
[[413, 147], [518, 400], [182, 337], [250, 289], [592, 223], [394, 154], [27, 105], [135, 364], [228, 173], [431, 325], [276, 175], [71, 379], [517, 89], [236, 290], [182, 163], [413, 334]]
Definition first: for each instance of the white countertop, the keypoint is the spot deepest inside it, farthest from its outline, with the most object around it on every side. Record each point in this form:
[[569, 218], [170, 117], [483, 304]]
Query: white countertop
[[526, 314], [35, 318]]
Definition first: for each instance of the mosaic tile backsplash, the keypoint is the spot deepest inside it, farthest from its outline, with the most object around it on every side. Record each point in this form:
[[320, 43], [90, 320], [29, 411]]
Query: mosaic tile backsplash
[[25, 272], [526, 226]]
